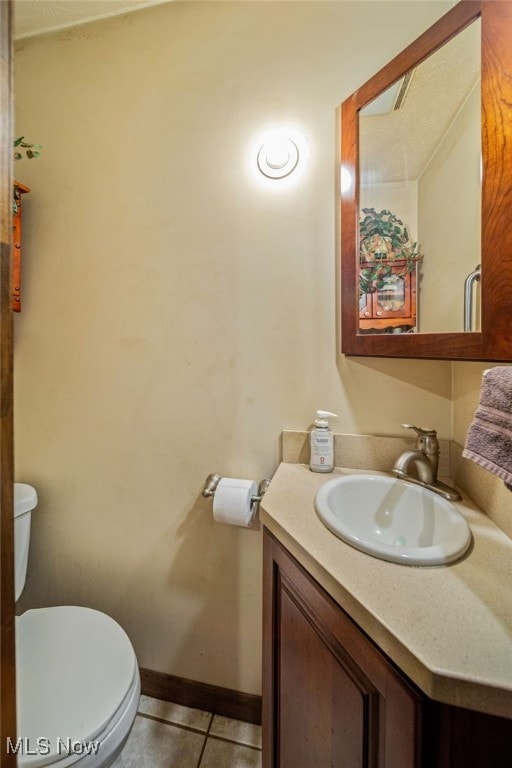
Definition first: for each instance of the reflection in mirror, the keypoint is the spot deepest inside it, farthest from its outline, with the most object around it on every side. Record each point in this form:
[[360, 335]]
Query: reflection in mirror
[[420, 196]]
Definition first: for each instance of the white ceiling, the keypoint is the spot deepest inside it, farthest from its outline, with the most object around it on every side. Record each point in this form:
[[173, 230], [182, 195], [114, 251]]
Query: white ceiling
[[35, 17]]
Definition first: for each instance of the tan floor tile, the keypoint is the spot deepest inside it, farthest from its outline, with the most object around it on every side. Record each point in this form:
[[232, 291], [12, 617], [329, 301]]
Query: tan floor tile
[[175, 713], [225, 754], [236, 730], [157, 745]]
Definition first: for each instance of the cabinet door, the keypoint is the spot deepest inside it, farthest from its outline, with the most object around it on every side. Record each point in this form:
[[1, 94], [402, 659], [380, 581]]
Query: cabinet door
[[328, 710], [394, 299], [331, 699], [393, 304]]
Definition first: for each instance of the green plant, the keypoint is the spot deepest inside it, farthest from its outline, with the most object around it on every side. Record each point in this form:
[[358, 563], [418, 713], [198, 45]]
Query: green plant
[[383, 238], [31, 151]]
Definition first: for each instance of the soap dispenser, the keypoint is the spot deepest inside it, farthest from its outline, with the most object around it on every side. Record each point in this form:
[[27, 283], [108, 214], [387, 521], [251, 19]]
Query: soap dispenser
[[321, 442]]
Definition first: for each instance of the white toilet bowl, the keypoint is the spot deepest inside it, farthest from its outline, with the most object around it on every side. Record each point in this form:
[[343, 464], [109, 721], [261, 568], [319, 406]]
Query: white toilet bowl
[[78, 688], [78, 685]]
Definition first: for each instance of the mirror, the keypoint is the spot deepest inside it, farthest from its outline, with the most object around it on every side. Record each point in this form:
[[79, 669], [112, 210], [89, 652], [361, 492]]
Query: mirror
[[419, 159], [423, 146]]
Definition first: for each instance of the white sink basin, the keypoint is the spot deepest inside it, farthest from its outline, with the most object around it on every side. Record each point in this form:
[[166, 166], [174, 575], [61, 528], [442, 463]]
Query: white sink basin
[[392, 519]]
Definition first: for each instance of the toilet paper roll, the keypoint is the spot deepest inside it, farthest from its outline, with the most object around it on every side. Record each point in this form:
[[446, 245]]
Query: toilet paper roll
[[232, 501]]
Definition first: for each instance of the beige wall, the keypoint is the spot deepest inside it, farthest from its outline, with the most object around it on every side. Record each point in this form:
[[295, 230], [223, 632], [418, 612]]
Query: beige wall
[[449, 204], [177, 314]]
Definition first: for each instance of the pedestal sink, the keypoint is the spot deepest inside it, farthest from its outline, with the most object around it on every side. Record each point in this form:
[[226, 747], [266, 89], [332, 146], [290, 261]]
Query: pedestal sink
[[393, 520]]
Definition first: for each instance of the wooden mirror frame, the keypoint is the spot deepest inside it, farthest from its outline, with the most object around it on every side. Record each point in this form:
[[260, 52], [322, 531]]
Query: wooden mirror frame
[[494, 341]]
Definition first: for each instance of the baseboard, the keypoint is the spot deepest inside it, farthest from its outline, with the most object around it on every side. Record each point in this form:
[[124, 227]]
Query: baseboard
[[212, 698]]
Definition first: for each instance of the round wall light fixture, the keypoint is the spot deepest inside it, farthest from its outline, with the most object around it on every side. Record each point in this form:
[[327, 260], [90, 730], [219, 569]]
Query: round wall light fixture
[[277, 157], [280, 152]]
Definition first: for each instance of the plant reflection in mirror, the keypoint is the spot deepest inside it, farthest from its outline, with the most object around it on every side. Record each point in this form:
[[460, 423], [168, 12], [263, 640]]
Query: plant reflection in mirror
[[383, 239]]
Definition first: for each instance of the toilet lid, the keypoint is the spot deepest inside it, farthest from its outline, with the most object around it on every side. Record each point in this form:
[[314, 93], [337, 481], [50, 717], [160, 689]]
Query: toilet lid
[[74, 668]]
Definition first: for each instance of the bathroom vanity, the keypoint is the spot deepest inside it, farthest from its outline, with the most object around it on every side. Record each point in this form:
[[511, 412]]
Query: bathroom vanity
[[370, 663]]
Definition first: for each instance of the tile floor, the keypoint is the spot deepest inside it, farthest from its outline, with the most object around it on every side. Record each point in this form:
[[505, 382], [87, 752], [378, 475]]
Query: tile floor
[[166, 735]]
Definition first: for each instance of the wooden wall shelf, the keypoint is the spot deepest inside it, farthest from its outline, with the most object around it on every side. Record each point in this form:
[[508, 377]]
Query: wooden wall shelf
[[19, 189]]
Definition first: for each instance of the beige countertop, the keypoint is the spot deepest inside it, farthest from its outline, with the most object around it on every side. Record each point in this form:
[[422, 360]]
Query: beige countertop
[[449, 628]]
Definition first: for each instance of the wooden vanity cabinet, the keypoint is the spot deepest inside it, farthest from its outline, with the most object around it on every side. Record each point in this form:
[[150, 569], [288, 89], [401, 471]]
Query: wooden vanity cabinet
[[333, 699], [330, 697]]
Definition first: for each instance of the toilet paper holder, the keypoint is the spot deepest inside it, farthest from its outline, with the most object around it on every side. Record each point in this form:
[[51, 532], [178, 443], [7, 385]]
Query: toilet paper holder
[[212, 481]]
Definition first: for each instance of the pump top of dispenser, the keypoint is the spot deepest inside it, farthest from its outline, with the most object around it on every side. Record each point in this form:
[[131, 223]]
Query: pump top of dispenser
[[322, 416]]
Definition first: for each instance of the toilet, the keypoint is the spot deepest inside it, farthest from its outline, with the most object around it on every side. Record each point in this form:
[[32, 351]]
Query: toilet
[[77, 678]]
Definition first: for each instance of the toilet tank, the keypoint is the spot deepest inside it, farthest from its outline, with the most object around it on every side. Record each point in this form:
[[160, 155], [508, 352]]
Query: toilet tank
[[25, 500]]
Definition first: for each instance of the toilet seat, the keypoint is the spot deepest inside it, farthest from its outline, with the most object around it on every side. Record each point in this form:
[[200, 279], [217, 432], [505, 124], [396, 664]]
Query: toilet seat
[[77, 687]]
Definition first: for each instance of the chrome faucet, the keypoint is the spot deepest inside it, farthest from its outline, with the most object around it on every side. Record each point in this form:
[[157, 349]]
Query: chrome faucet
[[425, 458]]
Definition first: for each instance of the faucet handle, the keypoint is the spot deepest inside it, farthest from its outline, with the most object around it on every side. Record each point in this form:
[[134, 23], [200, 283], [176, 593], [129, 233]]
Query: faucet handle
[[420, 431], [427, 442]]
